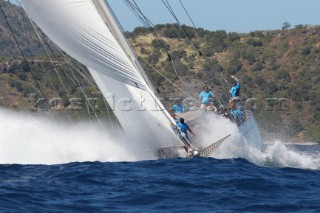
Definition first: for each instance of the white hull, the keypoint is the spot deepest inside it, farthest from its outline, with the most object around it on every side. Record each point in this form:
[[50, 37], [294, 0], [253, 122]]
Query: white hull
[[250, 131]]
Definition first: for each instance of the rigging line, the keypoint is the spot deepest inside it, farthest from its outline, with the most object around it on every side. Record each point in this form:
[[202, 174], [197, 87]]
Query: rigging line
[[69, 64], [184, 8], [168, 6], [187, 14], [151, 92], [161, 43], [70, 84], [40, 63], [54, 68], [74, 66], [52, 53], [171, 82], [32, 55], [218, 98], [21, 52], [25, 28], [77, 82], [147, 23], [144, 22], [172, 12], [135, 8], [80, 85], [135, 12], [150, 27], [180, 78], [62, 56]]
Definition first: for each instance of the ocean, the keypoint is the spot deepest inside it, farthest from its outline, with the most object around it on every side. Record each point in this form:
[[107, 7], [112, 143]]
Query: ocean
[[173, 185], [42, 171]]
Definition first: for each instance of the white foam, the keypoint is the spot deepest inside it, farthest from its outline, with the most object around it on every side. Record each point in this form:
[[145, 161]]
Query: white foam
[[211, 128], [276, 154], [25, 139]]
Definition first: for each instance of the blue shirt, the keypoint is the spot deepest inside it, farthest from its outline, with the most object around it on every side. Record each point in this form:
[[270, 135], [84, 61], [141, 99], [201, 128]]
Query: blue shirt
[[235, 90], [183, 127], [206, 97], [178, 108]]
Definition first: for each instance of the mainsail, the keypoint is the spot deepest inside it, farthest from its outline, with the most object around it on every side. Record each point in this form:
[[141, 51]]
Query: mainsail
[[86, 31]]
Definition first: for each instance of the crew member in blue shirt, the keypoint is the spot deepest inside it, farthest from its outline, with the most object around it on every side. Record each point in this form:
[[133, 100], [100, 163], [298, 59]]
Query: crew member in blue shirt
[[178, 108], [184, 128], [235, 89], [205, 98]]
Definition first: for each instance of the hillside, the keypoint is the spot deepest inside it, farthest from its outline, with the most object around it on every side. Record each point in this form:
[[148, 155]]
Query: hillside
[[271, 65], [23, 31]]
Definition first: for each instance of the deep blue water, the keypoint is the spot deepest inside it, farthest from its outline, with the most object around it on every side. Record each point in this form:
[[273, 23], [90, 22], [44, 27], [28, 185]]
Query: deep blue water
[[173, 185]]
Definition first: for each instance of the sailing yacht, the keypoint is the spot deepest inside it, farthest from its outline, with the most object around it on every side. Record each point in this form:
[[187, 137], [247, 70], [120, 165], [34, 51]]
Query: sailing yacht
[[88, 31]]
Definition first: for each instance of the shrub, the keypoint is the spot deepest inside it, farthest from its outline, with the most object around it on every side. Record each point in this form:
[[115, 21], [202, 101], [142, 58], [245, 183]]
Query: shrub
[[233, 36], [306, 51], [255, 42], [18, 86], [158, 44], [22, 76]]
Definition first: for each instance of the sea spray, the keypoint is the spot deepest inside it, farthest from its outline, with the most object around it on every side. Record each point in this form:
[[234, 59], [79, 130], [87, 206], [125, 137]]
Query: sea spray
[[26, 139], [275, 154], [211, 127], [29, 139]]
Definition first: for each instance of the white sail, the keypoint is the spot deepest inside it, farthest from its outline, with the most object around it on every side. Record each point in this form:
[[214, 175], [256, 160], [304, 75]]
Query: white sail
[[79, 28]]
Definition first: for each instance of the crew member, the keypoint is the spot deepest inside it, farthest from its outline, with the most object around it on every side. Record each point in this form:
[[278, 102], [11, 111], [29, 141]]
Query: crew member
[[178, 108], [184, 128], [235, 89], [205, 98]]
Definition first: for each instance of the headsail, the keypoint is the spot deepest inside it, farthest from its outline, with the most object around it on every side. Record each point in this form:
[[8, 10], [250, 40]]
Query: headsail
[[79, 28]]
